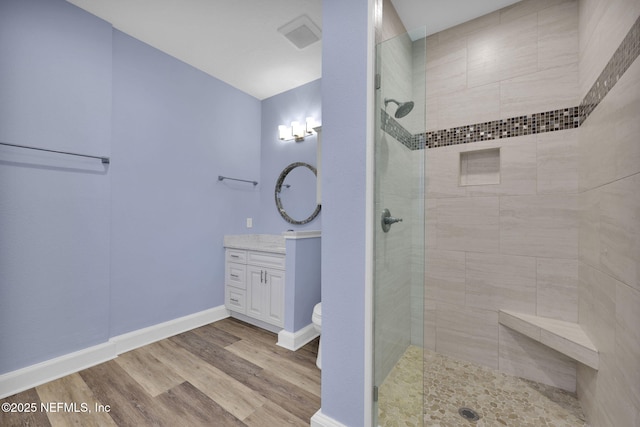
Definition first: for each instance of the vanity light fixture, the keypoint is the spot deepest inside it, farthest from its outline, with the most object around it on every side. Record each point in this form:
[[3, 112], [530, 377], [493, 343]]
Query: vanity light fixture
[[297, 131]]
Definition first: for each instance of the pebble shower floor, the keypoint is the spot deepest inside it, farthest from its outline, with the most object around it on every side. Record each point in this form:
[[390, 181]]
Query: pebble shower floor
[[449, 384]]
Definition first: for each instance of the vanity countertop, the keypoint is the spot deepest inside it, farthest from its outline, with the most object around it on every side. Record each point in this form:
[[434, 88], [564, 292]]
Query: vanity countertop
[[256, 242]]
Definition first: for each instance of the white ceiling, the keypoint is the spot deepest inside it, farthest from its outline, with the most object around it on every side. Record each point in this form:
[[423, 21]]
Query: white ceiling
[[237, 41]]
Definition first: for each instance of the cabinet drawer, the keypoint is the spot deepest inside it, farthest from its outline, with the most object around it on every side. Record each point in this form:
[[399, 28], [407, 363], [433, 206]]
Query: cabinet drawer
[[236, 275], [266, 259], [236, 255], [236, 299]]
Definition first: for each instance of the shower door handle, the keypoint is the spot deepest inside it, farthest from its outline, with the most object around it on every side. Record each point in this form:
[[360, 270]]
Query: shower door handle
[[386, 220]]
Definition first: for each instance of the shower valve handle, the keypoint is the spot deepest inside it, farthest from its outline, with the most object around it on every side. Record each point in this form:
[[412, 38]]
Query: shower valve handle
[[392, 220], [386, 220]]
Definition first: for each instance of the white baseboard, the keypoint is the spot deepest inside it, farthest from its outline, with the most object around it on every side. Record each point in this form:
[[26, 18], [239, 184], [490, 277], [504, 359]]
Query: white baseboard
[[52, 369], [31, 376], [295, 340], [320, 420], [135, 339]]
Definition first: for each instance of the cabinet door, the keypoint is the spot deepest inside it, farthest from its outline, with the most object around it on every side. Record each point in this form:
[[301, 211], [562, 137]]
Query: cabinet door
[[255, 291], [274, 297]]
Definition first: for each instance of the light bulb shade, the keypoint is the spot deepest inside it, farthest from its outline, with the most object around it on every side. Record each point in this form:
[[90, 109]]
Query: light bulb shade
[[298, 130], [284, 132], [310, 124]]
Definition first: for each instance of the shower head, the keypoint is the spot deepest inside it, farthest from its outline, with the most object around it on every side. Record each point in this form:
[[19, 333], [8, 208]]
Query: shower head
[[404, 108]]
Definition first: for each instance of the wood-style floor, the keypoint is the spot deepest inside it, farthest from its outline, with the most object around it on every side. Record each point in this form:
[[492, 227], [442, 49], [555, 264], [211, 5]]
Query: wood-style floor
[[228, 373]]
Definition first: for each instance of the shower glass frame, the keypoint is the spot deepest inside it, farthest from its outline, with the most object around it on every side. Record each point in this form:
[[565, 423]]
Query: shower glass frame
[[399, 254]]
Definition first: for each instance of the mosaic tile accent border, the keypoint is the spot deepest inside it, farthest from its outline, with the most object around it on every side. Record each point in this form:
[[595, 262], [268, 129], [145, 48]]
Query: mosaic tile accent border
[[395, 129], [621, 60], [548, 121]]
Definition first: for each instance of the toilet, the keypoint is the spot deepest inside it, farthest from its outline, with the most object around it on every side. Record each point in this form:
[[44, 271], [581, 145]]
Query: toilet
[[316, 318]]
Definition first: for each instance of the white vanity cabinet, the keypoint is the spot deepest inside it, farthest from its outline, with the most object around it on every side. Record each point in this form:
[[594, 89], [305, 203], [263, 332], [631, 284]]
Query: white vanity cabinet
[[265, 296], [254, 284]]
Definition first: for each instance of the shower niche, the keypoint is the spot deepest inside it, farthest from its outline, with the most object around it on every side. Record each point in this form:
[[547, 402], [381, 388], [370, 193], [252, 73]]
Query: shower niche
[[480, 167]]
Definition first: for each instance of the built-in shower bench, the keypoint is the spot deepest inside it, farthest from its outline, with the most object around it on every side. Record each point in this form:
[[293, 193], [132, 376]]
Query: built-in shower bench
[[567, 338]]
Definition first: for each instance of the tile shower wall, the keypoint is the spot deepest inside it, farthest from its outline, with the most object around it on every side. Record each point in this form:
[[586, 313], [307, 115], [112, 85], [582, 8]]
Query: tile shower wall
[[609, 248], [511, 245]]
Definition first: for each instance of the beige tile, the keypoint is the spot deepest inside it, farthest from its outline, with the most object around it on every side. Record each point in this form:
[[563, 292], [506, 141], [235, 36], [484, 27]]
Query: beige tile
[[545, 90], [495, 282], [424, 105], [431, 221], [527, 7], [445, 275], [502, 52], [396, 69], [478, 104], [392, 25], [480, 167], [558, 162], [558, 35], [499, 398], [468, 224], [557, 288], [603, 26], [517, 168], [443, 171], [431, 111], [519, 323], [608, 403], [430, 330], [566, 337], [468, 28], [586, 389], [596, 162], [446, 67], [468, 333], [543, 226], [526, 358], [589, 236], [569, 344], [615, 121], [400, 396], [620, 230], [628, 344], [596, 310]]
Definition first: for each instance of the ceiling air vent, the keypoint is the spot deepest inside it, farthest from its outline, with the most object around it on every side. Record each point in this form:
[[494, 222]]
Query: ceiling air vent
[[302, 32]]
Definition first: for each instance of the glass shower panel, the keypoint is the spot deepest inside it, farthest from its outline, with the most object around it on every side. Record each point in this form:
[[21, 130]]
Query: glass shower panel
[[399, 233]]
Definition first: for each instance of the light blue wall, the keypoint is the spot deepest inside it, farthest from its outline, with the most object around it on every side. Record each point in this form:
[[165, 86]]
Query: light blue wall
[[89, 251], [175, 129], [55, 92], [141, 240], [303, 270], [296, 104], [345, 68]]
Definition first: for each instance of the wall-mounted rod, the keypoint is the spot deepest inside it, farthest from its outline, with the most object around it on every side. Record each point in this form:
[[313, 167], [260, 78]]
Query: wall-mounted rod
[[222, 178], [104, 160]]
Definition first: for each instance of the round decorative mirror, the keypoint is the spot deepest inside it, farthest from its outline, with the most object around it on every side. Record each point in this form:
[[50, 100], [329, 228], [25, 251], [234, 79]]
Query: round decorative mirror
[[296, 189]]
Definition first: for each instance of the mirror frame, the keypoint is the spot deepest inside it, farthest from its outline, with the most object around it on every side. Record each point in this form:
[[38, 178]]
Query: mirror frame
[[278, 189]]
